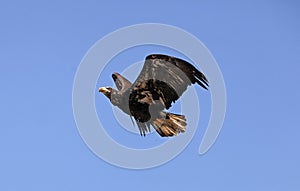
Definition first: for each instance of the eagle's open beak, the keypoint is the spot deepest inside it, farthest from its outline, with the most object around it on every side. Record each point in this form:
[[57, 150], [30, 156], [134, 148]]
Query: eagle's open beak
[[103, 90]]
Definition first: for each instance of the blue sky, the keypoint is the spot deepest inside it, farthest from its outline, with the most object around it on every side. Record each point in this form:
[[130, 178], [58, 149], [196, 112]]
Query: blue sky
[[256, 44]]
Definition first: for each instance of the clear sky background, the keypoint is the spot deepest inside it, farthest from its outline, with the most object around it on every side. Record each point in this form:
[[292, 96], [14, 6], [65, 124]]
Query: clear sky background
[[256, 44]]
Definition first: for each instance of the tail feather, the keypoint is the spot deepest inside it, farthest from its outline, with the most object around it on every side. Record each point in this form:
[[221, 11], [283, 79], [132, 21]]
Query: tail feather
[[169, 124]]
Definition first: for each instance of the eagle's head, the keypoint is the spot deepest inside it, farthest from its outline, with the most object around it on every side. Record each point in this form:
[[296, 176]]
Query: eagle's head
[[107, 91], [113, 95]]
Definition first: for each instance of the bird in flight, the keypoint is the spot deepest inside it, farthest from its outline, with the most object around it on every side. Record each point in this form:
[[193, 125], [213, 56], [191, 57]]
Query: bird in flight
[[162, 80]]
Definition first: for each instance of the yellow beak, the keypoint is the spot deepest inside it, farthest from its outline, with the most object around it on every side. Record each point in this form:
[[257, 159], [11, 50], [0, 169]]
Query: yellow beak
[[103, 90]]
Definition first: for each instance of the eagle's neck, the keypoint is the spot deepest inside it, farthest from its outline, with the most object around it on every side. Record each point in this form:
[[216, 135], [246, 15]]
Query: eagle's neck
[[121, 100]]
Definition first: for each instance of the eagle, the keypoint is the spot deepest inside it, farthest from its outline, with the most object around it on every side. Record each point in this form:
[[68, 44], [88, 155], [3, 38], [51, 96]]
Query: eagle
[[161, 82]]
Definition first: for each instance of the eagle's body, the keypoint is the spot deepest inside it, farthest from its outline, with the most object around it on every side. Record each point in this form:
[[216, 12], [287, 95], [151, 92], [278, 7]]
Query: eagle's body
[[161, 82]]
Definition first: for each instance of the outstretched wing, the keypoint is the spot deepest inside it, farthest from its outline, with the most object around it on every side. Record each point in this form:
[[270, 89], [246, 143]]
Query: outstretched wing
[[166, 77], [161, 82]]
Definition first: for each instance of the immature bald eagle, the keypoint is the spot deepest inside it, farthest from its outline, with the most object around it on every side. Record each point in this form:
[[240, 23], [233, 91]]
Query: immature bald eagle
[[161, 82]]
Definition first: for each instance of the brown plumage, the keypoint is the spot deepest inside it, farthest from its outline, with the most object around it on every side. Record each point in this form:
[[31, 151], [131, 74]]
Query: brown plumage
[[160, 83]]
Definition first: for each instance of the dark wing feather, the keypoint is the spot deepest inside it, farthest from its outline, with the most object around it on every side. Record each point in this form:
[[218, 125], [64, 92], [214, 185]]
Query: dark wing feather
[[194, 75]]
